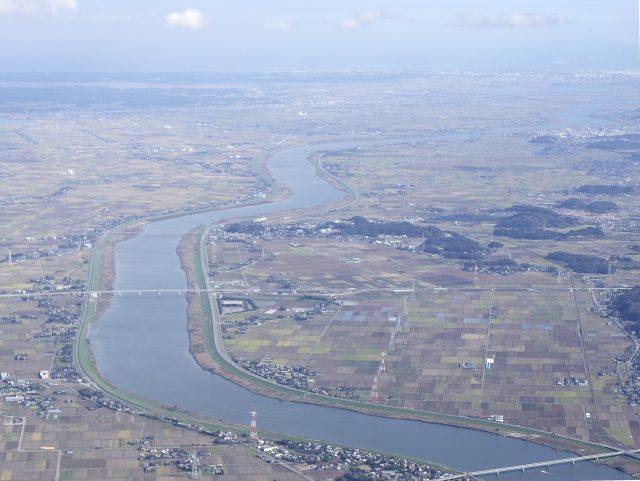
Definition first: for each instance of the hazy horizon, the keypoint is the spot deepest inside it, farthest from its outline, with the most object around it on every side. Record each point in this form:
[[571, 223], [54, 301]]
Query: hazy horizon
[[149, 36]]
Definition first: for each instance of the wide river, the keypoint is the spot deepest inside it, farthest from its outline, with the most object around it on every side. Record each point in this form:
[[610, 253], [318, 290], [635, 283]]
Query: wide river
[[141, 346]]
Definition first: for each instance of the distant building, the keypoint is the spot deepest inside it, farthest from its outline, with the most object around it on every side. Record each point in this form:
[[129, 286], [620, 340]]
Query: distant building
[[489, 363], [44, 374], [467, 365], [232, 303], [14, 399]]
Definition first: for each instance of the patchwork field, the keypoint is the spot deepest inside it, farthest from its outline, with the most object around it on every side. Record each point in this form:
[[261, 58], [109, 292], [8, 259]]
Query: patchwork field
[[362, 317], [108, 446], [553, 355]]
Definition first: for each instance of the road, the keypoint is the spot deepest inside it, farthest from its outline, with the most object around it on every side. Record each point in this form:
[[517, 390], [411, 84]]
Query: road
[[542, 464], [324, 292]]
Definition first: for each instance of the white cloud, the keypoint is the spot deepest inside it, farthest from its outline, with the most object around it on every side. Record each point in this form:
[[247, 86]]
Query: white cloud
[[508, 20], [279, 23], [32, 7], [191, 18], [364, 19]]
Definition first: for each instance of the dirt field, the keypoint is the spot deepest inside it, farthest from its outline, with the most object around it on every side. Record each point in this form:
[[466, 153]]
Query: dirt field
[[367, 319]]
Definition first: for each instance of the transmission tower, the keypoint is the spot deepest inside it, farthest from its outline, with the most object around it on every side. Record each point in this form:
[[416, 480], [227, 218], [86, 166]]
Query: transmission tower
[[374, 390], [253, 431], [195, 471]]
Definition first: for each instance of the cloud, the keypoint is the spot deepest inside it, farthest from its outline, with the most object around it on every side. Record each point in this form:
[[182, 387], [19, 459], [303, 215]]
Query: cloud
[[508, 20], [364, 19], [191, 18], [33, 7], [279, 23]]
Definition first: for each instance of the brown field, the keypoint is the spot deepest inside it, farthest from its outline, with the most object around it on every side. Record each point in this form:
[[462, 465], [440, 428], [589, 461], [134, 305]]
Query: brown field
[[97, 446], [539, 332], [81, 172], [533, 337]]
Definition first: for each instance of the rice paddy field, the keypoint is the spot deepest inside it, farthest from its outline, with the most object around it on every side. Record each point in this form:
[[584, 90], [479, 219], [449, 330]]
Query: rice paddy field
[[552, 348], [552, 354], [105, 445], [386, 325]]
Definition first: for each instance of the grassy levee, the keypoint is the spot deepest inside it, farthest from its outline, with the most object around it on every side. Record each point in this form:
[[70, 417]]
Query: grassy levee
[[292, 394], [83, 357], [316, 160], [86, 363]]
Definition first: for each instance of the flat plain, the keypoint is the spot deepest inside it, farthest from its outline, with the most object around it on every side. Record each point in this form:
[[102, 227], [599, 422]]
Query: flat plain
[[331, 303]]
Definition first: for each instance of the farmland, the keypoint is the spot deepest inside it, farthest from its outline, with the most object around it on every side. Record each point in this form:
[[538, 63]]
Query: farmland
[[392, 320]]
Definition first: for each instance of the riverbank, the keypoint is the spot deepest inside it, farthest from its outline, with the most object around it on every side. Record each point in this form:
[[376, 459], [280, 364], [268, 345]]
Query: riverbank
[[331, 402], [205, 347], [171, 414], [101, 270]]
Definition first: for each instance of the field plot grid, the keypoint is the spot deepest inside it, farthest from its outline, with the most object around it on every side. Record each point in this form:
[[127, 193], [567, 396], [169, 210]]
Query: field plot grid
[[541, 358]]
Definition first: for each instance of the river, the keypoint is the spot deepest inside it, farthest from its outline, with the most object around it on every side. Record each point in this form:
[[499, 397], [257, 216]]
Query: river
[[141, 346]]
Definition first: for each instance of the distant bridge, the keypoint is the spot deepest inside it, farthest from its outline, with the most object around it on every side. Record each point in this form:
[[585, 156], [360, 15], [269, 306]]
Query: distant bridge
[[119, 292], [299, 291], [542, 464]]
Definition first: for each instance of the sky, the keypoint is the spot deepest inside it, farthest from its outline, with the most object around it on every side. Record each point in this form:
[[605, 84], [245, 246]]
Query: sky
[[308, 35]]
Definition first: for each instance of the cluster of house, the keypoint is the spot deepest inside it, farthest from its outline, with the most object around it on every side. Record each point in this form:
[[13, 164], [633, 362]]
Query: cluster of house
[[53, 246], [294, 376], [298, 377], [103, 401], [28, 394], [630, 388], [313, 456], [572, 381], [184, 460]]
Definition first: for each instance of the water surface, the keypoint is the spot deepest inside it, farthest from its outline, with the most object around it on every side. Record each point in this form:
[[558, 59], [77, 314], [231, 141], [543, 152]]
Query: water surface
[[141, 346]]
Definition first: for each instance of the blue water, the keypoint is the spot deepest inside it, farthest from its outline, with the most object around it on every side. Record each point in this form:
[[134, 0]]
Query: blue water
[[141, 346]]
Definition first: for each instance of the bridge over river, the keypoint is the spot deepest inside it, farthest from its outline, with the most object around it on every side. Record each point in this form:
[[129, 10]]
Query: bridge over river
[[541, 464], [301, 290], [140, 344]]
